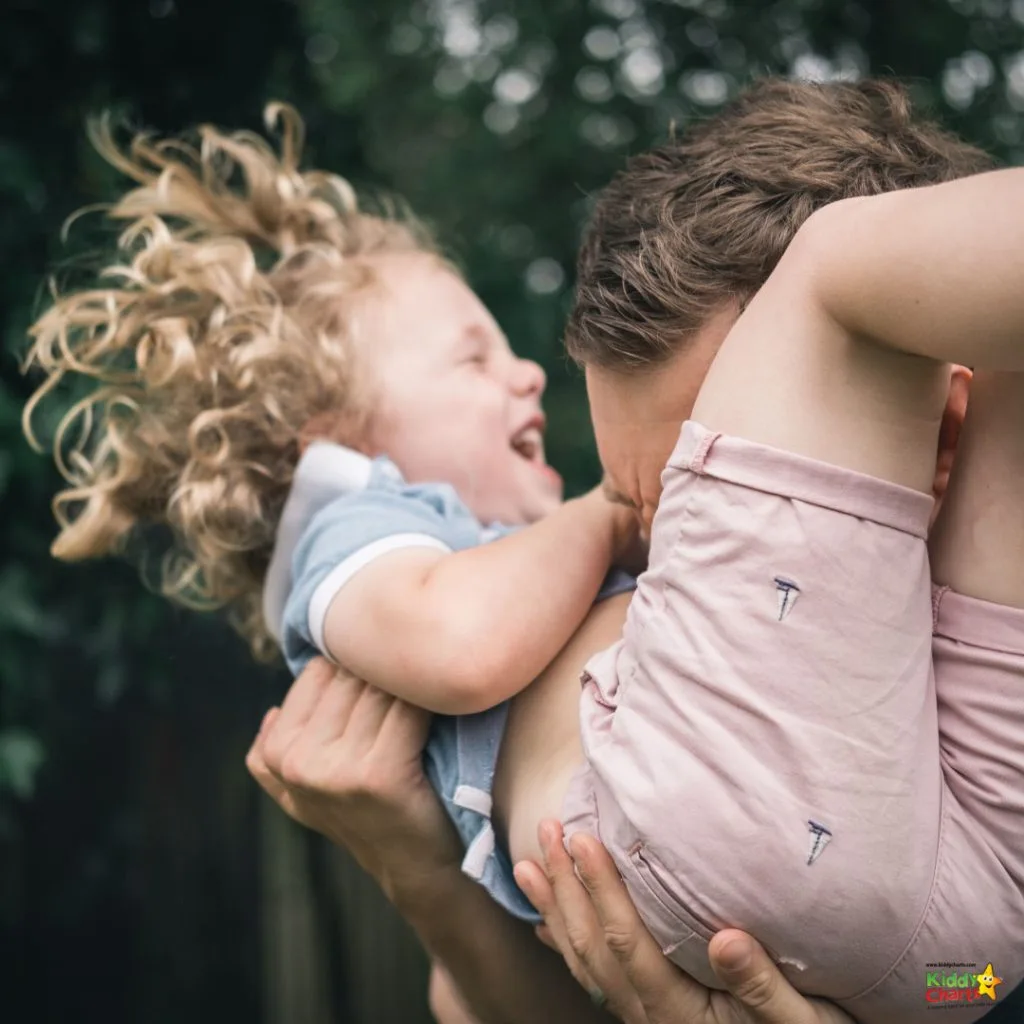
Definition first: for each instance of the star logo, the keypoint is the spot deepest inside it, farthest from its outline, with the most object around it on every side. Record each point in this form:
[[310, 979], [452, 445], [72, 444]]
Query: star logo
[[987, 982]]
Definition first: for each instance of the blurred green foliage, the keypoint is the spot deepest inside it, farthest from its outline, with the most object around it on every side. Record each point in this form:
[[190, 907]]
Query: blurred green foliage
[[126, 825]]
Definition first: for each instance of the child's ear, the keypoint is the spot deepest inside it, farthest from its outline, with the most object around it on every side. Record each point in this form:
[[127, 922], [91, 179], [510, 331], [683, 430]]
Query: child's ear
[[952, 424], [321, 427], [334, 426]]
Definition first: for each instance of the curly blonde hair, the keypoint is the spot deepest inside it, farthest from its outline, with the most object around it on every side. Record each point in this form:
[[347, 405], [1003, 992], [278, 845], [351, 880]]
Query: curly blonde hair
[[212, 344]]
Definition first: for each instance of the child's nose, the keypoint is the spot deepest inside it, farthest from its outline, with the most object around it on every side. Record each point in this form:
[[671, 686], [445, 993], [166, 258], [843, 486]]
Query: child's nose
[[530, 379]]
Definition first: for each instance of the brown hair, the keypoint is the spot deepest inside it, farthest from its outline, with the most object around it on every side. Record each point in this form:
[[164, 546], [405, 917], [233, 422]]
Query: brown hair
[[703, 219], [218, 332]]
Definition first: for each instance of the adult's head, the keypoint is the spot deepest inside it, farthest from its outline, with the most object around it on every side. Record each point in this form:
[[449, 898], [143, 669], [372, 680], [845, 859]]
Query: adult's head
[[686, 234]]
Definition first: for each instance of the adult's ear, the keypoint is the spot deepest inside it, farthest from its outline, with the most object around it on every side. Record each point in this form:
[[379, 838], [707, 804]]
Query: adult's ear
[[949, 431]]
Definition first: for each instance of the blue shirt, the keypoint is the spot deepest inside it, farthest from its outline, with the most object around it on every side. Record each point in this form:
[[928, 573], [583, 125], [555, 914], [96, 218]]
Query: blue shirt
[[345, 510]]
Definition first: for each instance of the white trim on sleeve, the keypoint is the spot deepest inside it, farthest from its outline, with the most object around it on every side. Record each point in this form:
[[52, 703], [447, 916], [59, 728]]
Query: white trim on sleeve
[[329, 586], [325, 472]]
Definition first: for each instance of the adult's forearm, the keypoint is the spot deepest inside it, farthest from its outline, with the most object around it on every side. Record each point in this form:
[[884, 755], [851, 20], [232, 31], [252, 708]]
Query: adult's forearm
[[505, 975]]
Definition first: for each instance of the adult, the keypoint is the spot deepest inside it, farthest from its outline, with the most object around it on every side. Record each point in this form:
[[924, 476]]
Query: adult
[[687, 230]]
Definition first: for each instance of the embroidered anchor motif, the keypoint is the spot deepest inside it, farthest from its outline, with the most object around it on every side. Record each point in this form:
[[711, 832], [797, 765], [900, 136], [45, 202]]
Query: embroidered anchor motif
[[820, 838], [787, 592]]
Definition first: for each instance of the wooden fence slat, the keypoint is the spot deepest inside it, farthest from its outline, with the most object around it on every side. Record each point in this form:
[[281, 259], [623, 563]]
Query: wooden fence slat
[[334, 949]]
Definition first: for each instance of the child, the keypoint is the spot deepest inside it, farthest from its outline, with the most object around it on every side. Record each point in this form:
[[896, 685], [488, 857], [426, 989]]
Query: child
[[245, 324]]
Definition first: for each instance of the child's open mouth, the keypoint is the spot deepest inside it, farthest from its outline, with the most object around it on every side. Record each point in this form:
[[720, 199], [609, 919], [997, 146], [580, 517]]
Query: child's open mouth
[[529, 443]]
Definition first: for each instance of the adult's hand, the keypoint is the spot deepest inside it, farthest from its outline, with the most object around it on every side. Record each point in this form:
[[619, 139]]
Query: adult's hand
[[590, 918], [344, 759]]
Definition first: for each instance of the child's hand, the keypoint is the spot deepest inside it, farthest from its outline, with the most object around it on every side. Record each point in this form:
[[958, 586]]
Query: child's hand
[[630, 545]]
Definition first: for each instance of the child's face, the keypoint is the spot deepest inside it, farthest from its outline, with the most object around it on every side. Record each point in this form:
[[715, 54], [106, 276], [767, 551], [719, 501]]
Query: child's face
[[637, 416], [455, 403]]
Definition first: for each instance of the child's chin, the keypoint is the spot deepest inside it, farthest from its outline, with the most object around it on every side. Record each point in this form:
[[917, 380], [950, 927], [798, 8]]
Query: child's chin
[[548, 503]]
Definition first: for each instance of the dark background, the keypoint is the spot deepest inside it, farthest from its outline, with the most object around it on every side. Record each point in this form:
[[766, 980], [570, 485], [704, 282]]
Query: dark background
[[140, 878]]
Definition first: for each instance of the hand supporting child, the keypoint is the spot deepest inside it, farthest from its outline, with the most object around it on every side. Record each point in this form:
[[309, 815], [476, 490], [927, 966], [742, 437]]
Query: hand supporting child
[[590, 918], [343, 759]]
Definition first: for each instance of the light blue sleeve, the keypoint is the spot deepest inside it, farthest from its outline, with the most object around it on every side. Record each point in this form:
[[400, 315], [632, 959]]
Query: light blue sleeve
[[349, 533]]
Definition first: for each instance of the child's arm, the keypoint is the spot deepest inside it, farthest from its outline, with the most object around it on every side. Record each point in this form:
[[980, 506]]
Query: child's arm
[[458, 633], [936, 271]]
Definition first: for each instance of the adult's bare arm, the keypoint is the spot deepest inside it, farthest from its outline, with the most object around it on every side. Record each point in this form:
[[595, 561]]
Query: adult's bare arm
[[344, 759]]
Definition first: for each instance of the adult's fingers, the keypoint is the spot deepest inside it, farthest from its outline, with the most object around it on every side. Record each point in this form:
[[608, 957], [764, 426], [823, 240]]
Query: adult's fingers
[[749, 974], [329, 715], [254, 760], [305, 693], [543, 932], [575, 909], [531, 878], [254, 757], [265, 725], [667, 995], [368, 719], [330, 750], [257, 766], [534, 882], [583, 928], [296, 710], [404, 728], [759, 992]]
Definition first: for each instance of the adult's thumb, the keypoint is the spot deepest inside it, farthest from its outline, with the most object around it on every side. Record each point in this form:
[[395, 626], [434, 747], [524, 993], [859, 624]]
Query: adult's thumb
[[746, 970]]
